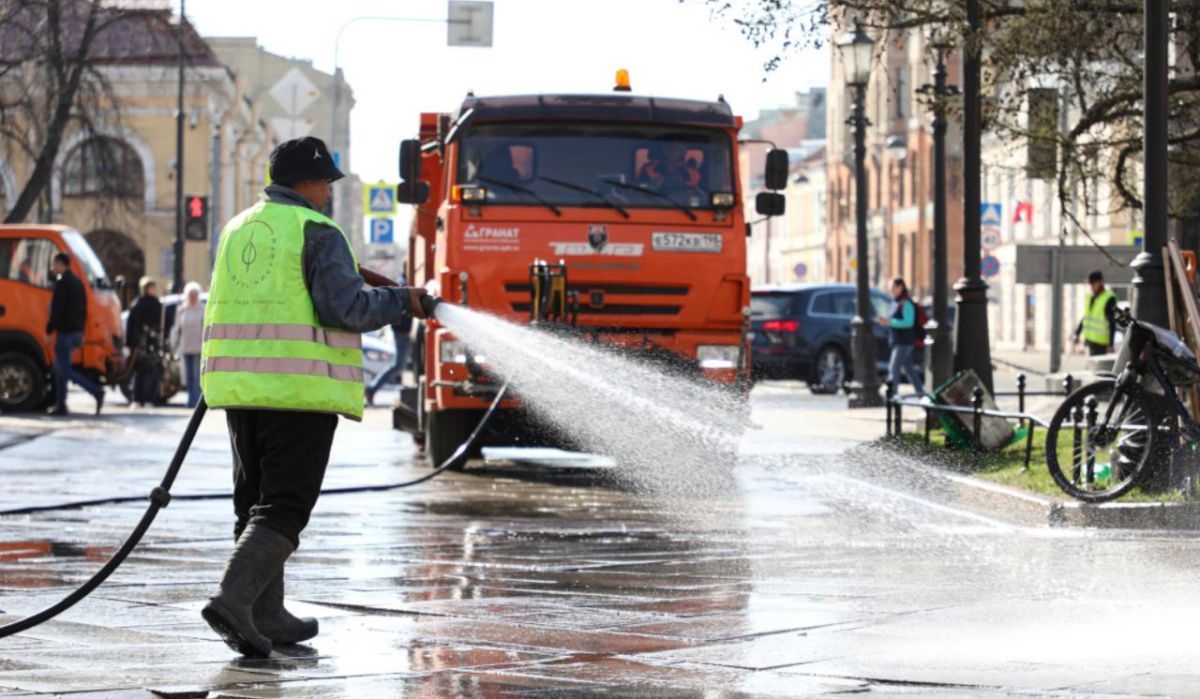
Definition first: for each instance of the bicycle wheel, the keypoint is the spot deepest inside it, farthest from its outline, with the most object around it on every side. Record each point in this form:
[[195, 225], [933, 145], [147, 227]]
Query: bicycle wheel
[[1102, 442]]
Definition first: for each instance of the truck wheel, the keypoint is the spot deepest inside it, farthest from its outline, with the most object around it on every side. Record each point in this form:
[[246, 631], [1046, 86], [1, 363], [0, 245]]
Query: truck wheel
[[444, 431], [22, 383]]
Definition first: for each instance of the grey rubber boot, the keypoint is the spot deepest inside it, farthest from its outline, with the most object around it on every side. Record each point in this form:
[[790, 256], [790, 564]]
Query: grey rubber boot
[[257, 559], [276, 622]]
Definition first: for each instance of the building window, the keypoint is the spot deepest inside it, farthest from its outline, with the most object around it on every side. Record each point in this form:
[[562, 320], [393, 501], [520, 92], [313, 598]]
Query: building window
[[901, 100], [103, 166]]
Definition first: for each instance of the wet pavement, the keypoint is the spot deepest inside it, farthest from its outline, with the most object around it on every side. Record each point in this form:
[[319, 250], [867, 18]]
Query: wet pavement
[[810, 579]]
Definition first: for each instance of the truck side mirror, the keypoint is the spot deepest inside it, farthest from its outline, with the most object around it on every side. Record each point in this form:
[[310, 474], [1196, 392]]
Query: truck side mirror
[[776, 173], [412, 192], [770, 203], [410, 160]]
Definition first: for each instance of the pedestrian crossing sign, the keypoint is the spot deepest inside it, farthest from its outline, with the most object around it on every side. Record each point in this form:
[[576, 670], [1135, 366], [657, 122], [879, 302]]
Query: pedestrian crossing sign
[[379, 198], [990, 213]]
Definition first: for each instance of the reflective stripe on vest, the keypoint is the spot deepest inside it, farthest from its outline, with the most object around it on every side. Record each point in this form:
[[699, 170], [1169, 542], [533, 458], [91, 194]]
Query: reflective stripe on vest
[[281, 331], [1096, 329], [264, 346], [275, 365]]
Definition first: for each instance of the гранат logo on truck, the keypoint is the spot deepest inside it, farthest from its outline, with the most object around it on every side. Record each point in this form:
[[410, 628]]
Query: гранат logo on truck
[[492, 238]]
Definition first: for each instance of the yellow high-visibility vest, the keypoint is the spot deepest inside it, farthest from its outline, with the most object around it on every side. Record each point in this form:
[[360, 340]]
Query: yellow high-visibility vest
[[1096, 329], [263, 344]]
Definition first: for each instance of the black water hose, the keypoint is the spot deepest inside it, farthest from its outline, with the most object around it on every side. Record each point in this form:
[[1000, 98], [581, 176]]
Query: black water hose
[[160, 497]]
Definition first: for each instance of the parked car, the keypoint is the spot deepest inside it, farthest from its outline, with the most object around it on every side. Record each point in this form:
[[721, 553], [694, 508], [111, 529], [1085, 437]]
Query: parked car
[[802, 331]]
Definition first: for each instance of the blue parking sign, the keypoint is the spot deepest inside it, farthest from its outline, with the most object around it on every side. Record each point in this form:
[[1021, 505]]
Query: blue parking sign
[[383, 231]]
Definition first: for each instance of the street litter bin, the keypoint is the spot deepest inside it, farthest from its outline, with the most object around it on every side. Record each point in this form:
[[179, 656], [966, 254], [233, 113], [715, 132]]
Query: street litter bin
[[995, 432]]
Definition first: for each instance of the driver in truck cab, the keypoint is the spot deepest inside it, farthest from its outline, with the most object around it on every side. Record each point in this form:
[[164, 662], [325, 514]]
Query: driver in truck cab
[[671, 170]]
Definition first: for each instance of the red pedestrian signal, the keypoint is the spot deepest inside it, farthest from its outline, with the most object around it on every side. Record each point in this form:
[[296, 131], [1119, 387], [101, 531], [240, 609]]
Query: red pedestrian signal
[[195, 225]]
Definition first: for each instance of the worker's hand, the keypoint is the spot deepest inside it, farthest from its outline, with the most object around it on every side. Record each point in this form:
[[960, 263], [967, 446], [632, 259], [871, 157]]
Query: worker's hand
[[420, 303], [883, 321]]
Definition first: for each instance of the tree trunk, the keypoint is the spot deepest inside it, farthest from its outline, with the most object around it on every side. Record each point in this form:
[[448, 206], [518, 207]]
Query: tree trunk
[[44, 164]]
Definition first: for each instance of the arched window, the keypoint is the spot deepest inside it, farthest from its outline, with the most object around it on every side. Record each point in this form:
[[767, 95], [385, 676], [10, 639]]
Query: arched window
[[103, 166]]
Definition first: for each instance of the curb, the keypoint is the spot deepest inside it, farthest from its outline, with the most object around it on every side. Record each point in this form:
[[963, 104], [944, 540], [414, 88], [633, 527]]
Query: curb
[[1012, 505]]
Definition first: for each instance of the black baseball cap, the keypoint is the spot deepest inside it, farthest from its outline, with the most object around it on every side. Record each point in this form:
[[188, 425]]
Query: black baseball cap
[[303, 160]]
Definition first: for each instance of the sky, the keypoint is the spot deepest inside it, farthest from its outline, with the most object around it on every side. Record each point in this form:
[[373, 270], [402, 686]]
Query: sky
[[399, 69]]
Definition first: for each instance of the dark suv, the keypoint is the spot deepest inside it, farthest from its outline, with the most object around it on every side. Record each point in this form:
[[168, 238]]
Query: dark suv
[[802, 331]]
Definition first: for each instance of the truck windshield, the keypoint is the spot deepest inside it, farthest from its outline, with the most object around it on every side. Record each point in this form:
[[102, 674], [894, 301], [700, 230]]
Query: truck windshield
[[622, 166], [87, 257]]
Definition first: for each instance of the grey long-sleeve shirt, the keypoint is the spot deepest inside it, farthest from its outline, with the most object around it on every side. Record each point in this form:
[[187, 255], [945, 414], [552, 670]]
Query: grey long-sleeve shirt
[[333, 280]]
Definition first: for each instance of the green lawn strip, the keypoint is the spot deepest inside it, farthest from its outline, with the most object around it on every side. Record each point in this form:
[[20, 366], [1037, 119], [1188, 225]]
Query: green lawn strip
[[1007, 466]]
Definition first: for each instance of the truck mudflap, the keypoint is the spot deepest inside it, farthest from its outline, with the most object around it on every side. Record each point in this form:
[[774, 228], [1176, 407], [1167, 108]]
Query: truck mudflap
[[404, 412]]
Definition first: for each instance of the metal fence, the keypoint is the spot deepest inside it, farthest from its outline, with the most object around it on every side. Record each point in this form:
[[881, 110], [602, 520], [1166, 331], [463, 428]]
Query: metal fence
[[897, 402]]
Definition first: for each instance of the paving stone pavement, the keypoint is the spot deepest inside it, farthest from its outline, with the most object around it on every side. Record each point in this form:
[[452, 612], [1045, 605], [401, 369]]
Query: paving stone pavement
[[804, 581]]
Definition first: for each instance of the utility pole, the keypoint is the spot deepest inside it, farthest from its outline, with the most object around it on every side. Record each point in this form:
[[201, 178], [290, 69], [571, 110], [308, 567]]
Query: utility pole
[[177, 281], [971, 346], [1150, 301]]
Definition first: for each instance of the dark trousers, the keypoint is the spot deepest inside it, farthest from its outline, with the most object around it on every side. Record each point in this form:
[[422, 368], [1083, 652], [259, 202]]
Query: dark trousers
[[395, 372], [1095, 350], [191, 376], [65, 345], [279, 460]]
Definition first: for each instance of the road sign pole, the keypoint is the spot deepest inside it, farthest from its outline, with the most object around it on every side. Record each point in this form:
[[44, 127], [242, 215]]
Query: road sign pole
[[1056, 308]]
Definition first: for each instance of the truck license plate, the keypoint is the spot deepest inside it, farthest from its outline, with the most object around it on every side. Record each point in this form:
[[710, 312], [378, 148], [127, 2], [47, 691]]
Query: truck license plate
[[686, 242]]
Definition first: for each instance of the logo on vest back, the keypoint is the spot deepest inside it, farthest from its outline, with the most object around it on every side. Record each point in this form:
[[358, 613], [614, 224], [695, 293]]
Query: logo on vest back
[[250, 254]]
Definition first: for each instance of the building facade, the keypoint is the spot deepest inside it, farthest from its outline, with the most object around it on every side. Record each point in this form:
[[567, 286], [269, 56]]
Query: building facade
[[899, 165], [297, 100]]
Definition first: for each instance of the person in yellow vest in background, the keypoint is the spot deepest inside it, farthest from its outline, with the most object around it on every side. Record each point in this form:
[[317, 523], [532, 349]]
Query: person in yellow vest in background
[[1098, 328], [282, 354]]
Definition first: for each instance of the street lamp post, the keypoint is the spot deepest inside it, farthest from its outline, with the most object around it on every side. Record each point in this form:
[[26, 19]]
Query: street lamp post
[[857, 50], [971, 347], [942, 359], [1150, 301]]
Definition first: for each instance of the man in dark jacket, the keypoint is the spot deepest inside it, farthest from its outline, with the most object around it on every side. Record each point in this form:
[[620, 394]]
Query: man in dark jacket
[[144, 331], [68, 318]]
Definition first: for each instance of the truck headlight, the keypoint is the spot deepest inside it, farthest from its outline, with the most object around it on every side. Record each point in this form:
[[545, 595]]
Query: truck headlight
[[456, 352], [717, 356]]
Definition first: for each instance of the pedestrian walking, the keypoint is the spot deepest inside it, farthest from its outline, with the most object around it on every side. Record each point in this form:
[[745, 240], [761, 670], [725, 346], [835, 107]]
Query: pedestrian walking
[[1098, 327], [282, 354], [187, 337], [902, 335], [68, 319], [144, 333], [402, 337]]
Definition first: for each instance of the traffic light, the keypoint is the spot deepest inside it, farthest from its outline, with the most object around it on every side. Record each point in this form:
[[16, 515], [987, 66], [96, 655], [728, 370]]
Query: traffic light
[[195, 218]]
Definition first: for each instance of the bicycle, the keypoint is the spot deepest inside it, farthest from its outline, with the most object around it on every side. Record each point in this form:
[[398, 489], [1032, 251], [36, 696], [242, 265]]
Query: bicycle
[[1115, 431]]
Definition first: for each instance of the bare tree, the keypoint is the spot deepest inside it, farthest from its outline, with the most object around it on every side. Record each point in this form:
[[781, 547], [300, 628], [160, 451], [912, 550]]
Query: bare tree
[[50, 85], [1086, 51]]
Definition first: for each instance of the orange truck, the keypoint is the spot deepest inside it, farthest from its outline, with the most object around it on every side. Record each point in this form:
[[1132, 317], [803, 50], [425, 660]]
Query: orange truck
[[26, 284], [617, 214]]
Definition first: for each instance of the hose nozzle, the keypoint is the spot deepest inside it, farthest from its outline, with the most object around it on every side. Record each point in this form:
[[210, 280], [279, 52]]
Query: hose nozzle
[[429, 304]]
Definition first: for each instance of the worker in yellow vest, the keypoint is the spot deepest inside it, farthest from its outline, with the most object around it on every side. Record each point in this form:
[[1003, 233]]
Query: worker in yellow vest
[[282, 354], [1098, 327]]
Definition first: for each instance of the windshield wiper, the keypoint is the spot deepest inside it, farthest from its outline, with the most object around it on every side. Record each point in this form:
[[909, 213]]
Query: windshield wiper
[[586, 190], [523, 190], [678, 204]]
